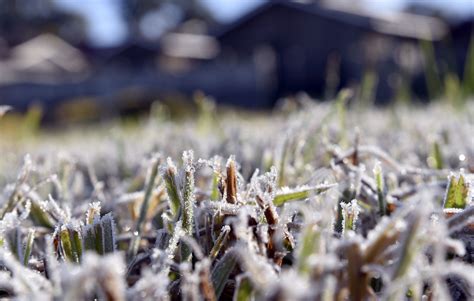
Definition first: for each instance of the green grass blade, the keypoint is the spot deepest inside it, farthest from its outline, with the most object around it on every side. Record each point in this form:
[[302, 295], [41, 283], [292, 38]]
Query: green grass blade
[[89, 237], [148, 193], [379, 183], [222, 271], [244, 290], [76, 243], [456, 193], [28, 246], [108, 228], [169, 175], [67, 245], [286, 195], [220, 242], [99, 238], [188, 202]]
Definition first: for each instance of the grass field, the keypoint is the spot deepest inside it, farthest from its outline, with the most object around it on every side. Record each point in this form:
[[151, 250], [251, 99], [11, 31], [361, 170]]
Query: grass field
[[310, 202]]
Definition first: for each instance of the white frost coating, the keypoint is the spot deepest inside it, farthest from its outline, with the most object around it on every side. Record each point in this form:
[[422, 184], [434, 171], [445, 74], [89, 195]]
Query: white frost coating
[[94, 210], [26, 169], [292, 286], [377, 168], [350, 213], [385, 226], [188, 192], [230, 160], [170, 165], [29, 283], [12, 220], [188, 158], [189, 282], [456, 245], [221, 207], [261, 270], [131, 197], [453, 210], [151, 286], [303, 188], [106, 272], [173, 244]]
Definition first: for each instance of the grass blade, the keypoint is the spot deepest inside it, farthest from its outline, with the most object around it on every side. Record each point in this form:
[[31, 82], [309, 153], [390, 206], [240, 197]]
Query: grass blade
[[244, 290], [222, 271], [220, 242], [67, 245], [108, 228], [28, 246], [286, 194], [231, 181], [169, 175], [148, 193], [188, 202]]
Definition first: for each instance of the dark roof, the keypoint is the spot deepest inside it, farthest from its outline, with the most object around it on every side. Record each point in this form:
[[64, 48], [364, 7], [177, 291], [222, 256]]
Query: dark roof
[[396, 24]]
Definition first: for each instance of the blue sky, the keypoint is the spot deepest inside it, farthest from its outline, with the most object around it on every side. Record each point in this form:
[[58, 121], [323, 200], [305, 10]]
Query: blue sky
[[106, 27], [226, 10]]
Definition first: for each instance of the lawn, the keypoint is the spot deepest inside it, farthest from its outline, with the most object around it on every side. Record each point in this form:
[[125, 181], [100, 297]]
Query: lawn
[[313, 201]]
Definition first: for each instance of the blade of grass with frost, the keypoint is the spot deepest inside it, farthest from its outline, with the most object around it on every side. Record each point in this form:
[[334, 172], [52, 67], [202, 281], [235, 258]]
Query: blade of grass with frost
[[99, 237], [408, 248], [457, 193], [462, 193], [380, 189], [108, 227], [385, 234], [52, 265], [220, 242], [169, 175], [76, 243], [92, 212], [244, 289], [40, 217], [222, 271], [188, 202], [170, 249], [281, 173], [310, 243], [28, 246], [286, 194], [215, 186], [358, 282], [437, 156], [148, 193], [350, 213], [67, 245], [15, 197], [231, 181], [89, 237], [135, 241]]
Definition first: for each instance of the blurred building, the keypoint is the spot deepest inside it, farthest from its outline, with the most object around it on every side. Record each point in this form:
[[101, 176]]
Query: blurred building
[[278, 49]]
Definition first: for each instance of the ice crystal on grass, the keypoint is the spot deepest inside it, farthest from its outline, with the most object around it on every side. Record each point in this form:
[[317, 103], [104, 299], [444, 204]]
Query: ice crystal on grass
[[350, 214]]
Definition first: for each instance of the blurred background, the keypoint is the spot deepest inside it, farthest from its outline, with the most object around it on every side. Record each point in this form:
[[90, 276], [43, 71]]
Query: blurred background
[[65, 61]]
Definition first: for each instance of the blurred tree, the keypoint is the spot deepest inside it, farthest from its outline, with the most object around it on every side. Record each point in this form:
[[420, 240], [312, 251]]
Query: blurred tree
[[150, 19]]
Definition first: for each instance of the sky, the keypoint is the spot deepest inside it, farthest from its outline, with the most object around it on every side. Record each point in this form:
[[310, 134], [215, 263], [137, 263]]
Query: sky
[[106, 28]]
